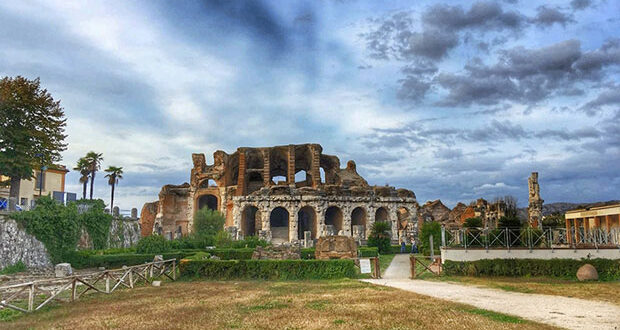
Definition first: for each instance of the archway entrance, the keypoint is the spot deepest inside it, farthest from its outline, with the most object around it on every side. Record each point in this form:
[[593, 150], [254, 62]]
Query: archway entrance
[[358, 223], [279, 223], [333, 218], [306, 218], [250, 221], [209, 201], [382, 216]]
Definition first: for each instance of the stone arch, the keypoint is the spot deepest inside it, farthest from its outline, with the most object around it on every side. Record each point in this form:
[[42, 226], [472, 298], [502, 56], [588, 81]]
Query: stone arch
[[279, 224], [382, 215], [334, 218], [358, 222], [206, 183], [306, 221], [208, 200], [250, 221]]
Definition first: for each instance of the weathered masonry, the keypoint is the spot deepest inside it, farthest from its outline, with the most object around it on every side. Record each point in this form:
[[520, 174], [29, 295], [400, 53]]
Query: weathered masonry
[[282, 194]]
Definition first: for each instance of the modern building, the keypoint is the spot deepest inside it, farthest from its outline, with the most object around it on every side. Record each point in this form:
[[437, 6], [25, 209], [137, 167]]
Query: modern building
[[584, 221], [50, 181]]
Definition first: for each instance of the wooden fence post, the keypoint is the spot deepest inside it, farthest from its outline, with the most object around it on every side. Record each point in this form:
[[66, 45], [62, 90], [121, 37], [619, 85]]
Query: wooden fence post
[[73, 289], [174, 270], [30, 297], [131, 278], [412, 265], [107, 282]]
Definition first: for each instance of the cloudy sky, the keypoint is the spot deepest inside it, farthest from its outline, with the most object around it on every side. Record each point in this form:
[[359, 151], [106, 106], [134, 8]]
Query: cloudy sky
[[454, 100]]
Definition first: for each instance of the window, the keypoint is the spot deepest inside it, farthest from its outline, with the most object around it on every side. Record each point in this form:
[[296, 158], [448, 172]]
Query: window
[[23, 201], [39, 183]]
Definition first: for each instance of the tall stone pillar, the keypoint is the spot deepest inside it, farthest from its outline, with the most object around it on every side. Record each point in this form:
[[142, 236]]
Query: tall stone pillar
[[266, 167], [568, 236], [534, 210], [241, 178], [608, 223], [292, 225], [315, 167], [291, 165]]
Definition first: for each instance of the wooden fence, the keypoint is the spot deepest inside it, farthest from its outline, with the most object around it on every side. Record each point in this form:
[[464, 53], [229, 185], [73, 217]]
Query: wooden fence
[[433, 265], [32, 296]]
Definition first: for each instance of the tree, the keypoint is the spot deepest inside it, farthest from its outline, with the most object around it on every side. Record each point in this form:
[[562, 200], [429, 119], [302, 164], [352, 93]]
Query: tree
[[428, 229], [84, 168], [509, 222], [114, 174], [32, 126], [208, 222], [475, 222], [94, 164], [554, 220], [380, 237]]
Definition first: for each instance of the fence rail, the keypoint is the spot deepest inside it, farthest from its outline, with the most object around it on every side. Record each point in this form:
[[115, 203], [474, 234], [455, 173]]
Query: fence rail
[[530, 238], [32, 296]]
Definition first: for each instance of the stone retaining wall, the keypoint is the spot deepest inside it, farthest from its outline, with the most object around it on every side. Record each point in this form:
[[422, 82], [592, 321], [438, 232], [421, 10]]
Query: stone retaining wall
[[17, 245], [562, 253]]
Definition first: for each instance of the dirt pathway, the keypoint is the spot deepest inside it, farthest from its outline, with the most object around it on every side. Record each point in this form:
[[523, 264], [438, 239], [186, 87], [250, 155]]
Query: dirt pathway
[[571, 313]]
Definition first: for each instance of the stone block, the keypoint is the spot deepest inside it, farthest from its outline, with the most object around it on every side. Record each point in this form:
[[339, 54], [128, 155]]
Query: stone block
[[336, 247], [158, 258], [63, 270], [156, 283], [587, 272]]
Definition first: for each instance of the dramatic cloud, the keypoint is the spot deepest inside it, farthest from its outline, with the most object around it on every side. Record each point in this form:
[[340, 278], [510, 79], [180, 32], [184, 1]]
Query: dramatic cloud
[[454, 100]]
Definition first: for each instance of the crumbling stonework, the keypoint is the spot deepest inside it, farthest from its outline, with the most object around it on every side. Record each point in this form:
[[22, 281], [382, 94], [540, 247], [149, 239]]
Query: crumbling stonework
[[434, 211], [147, 218], [335, 247], [17, 245], [280, 252], [280, 193], [534, 210]]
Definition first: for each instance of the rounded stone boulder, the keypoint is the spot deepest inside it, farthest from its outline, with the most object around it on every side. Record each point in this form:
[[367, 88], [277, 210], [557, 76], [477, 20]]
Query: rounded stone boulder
[[587, 272]]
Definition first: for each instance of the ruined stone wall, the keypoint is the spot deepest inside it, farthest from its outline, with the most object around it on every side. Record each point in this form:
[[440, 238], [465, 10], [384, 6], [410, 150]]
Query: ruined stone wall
[[147, 217], [124, 233], [17, 245]]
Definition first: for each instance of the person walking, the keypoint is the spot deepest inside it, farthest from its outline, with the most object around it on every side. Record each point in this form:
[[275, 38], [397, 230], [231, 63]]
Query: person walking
[[414, 247], [403, 246]]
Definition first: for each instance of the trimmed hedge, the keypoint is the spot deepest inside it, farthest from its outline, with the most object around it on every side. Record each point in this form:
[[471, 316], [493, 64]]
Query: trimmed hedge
[[86, 259], [268, 269], [364, 252], [564, 268]]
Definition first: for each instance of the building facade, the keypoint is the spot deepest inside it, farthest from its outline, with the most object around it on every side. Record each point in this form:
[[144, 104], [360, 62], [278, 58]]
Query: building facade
[[282, 194], [50, 182], [583, 222]]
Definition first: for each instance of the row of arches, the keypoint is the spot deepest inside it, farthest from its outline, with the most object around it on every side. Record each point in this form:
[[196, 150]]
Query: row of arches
[[279, 219]]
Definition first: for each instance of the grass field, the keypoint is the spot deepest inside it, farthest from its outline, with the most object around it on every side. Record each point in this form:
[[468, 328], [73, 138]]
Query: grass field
[[345, 304], [601, 291]]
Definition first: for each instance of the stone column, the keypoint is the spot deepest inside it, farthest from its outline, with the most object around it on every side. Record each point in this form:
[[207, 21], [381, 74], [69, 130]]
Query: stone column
[[576, 230], [608, 223], [393, 219], [370, 219], [320, 219], [315, 167], [292, 225], [241, 177], [266, 167], [291, 165], [568, 236], [346, 221]]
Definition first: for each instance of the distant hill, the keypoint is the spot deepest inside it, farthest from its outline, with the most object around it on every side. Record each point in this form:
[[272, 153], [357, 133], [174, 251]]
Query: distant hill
[[562, 207]]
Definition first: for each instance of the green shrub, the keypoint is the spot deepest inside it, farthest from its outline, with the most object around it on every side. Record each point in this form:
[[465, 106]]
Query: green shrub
[[153, 244], [18, 267], [208, 222], [199, 256], [248, 242], [509, 222], [379, 236], [367, 252], [307, 253], [233, 254], [268, 269], [96, 222], [80, 260], [428, 229], [608, 270], [475, 222], [55, 225]]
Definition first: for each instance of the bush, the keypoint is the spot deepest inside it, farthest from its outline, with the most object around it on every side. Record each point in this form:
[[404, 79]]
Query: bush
[[363, 252], [608, 270], [199, 256], [55, 225], [268, 269], [428, 229], [223, 239], [208, 222], [475, 222], [233, 254], [248, 242], [509, 222], [153, 244], [80, 260], [380, 237], [96, 222], [18, 267]]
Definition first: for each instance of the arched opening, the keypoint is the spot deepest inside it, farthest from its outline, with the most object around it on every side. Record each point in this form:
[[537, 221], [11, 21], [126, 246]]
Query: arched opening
[[278, 221], [255, 181], [278, 166], [209, 201], [306, 219], [322, 172], [208, 183], [250, 221], [358, 223], [333, 220], [403, 218], [381, 215]]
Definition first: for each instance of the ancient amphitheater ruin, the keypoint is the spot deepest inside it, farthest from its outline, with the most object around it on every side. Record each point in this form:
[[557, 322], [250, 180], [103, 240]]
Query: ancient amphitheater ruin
[[291, 193]]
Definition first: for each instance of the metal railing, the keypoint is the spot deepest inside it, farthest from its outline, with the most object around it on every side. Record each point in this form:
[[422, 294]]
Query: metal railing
[[530, 238], [32, 296]]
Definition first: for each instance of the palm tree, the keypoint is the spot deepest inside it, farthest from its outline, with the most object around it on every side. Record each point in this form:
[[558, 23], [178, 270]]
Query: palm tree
[[94, 164], [84, 169], [114, 174]]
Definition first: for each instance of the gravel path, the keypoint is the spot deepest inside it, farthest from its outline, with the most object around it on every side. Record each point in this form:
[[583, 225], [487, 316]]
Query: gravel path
[[571, 313]]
